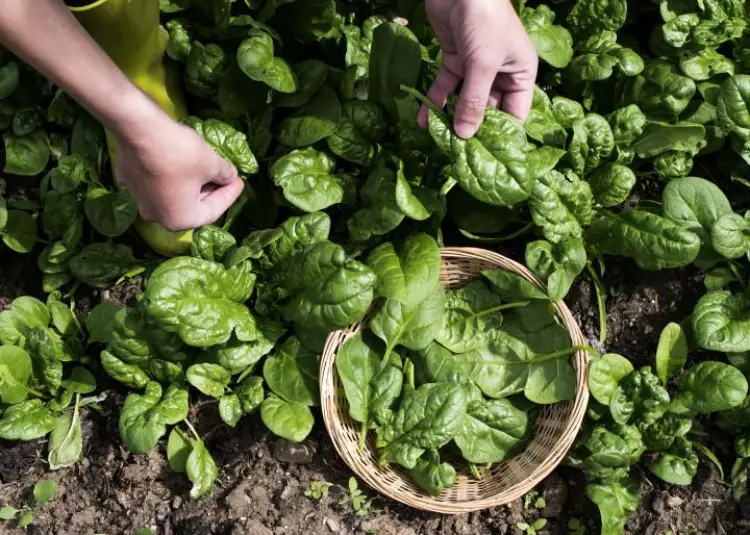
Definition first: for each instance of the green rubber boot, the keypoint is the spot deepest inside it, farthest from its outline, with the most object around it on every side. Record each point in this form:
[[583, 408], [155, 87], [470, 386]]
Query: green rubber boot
[[129, 32]]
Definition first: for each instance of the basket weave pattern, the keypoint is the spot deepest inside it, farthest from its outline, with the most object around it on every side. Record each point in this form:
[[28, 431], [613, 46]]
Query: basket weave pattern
[[555, 428]]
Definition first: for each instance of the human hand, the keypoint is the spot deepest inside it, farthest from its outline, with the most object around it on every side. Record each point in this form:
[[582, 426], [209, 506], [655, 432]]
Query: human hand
[[177, 180], [484, 44]]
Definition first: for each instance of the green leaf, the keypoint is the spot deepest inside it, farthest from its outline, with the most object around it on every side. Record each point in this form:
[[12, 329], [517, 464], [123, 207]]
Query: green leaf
[[379, 213], [44, 491], [413, 327], [292, 421], [472, 313], [491, 166], [210, 379], [611, 185], [201, 301], [26, 421], [652, 241], [730, 236], [671, 353], [428, 418], [311, 75], [605, 374], [312, 122], [80, 381], [200, 469], [100, 264], [308, 180], [15, 374], [371, 385], [361, 126], [292, 373], [561, 205], [26, 155], [251, 394], [128, 374], [512, 287], [616, 502], [111, 213], [179, 448], [431, 475], [20, 232], [553, 43], [558, 264], [8, 513], [658, 138], [720, 322], [711, 387], [255, 56], [326, 289], [65, 440], [144, 417], [395, 60], [230, 409], [678, 465], [410, 274], [227, 142], [639, 398], [100, 322], [492, 431]]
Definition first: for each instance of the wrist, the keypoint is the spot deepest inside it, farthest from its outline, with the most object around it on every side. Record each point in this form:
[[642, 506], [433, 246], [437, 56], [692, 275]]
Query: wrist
[[135, 117]]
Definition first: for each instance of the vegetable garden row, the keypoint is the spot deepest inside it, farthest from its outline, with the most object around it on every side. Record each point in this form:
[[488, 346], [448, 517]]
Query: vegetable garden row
[[347, 202]]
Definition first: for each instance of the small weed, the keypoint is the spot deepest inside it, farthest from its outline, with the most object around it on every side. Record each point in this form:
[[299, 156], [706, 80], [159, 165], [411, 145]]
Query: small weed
[[44, 491], [534, 500], [576, 527], [532, 529], [360, 503], [318, 490]]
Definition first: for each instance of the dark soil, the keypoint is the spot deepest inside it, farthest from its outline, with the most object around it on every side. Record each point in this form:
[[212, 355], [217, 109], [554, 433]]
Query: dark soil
[[262, 479]]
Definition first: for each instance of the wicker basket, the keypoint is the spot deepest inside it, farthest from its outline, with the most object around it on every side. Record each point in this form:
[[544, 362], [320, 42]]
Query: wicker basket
[[555, 428]]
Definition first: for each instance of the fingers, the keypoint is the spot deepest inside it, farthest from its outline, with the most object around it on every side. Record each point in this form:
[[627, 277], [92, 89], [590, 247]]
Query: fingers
[[216, 202], [518, 103], [445, 83], [475, 94], [225, 173]]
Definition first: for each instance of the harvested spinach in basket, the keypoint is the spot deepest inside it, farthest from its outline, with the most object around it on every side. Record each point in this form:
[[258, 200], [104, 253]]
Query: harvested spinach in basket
[[445, 378]]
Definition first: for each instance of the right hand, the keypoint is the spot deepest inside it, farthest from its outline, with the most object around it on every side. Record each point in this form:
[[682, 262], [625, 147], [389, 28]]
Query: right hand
[[177, 180]]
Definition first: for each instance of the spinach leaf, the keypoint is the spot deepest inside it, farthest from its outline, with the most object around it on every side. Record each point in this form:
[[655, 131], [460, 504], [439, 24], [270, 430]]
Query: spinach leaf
[[492, 431], [371, 384], [15, 374], [616, 502], [362, 126], [100, 264], [395, 60], [557, 264], [605, 374], [671, 353], [720, 322], [201, 301], [211, 243], [678, 465], [652, 241], [492, 166], [292, 373], [308, 179], [144, 417], [210, 379], [639, 398], [255, 56], [711, 387], [110, 213], [431, 475], [325, 289], [428, 418], [200, 469], [26, 421], [312, 122], [65, 440], [292, 421]]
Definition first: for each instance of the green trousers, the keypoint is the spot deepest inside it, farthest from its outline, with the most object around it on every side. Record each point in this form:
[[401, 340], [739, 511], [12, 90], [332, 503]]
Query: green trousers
[[129, 32]]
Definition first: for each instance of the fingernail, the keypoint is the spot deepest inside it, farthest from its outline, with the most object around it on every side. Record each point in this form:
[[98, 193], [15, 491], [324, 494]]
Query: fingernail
[[465, 130]]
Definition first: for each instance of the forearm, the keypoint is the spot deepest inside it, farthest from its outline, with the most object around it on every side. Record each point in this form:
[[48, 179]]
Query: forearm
[[46, 35]]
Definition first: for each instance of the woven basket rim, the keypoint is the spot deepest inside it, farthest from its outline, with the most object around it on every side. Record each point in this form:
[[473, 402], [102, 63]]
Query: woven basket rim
[[336, 420]]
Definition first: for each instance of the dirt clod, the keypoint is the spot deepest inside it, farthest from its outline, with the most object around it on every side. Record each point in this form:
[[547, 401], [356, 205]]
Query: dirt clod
[[289, 452]]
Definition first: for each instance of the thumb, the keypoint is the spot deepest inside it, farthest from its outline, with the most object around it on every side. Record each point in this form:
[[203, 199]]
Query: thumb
[[213, 205], [224, 172]]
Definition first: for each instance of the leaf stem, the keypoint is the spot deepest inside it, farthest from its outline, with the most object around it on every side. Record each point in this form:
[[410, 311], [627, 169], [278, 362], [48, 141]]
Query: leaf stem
[[421, 98], [192, 430], [599, 289], [736, 271], [504, 306], [363, 434]]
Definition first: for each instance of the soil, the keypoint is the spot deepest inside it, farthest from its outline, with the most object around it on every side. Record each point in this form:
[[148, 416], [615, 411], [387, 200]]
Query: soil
[[262, 480]]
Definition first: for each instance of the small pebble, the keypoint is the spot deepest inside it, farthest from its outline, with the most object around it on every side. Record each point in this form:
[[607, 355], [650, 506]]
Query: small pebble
[[333, 525]]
